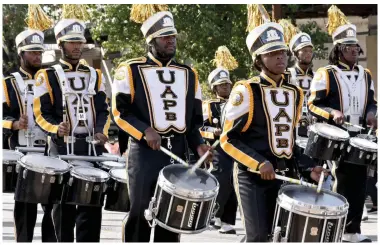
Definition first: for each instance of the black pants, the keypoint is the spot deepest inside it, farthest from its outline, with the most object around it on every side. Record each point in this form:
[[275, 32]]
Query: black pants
[[350, 182], [143, 166], [372, 189], [66, 216], [257, 203], [226, 197], [25, 215]]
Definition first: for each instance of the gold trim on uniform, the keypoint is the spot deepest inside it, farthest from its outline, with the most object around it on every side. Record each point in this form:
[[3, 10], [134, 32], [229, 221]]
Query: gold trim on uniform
[[251, 106], [7, 124], [17, 92], [100, 78], [124, 125], [207, 135], [40, 120], [6, 93], [26, 73], [237, 191], [232, 150]]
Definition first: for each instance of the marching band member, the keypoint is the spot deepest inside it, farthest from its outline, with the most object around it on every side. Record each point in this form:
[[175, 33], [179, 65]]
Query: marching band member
[[70, 100], [301, 48], [157, 101], [19, 128], [219, 80], [259, 126], [344, 91]]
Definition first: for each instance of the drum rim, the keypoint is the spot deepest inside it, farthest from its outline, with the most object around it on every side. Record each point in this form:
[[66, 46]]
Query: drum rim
[[44, 170], [320, 133], [170, 188], [72, 165], [7, 161], [91, 179], [310, 208], [352, 143], [125, 181], [165, 226], [111, 167]]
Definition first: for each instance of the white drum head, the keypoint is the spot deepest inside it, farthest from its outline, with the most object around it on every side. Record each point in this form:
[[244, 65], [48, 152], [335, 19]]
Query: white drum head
[[363, 144], [330, 131], [44, 164]]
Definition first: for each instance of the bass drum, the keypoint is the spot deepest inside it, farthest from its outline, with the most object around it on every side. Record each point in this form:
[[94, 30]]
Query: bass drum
[[10, 159]]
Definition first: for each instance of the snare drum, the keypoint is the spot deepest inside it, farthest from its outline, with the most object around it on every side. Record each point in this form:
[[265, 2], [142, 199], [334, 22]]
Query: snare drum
[[10, 159], [303, 160], [79, 163], [326, 142], [361, 152], [86, 187], [302, 215], [40, 179], [117, 194], [184, 202], [108, 165]]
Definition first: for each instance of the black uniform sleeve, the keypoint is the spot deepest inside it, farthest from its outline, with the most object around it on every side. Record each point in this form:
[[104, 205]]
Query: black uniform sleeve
[[103, 119], [8, 116]]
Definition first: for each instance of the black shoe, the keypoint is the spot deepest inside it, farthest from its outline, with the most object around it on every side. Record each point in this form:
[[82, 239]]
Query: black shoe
[[373, 210]]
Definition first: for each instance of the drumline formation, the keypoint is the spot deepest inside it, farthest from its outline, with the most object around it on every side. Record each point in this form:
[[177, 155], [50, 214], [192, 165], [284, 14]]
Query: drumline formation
[[184, 200]]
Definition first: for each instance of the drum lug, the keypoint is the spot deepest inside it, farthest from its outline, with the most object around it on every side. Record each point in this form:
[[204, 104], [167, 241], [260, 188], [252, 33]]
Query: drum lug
[[276, 234], [374, 156], [24, 173], [368, 156], [115, 186], [315, 138], [348, 149], [105, 187], [329, 145], [336, 146], [341, 146], [70, 181], [148, 213], [60, 179], [43, 178], [86, 187], [52, 179], [17, 168], [361, 154]]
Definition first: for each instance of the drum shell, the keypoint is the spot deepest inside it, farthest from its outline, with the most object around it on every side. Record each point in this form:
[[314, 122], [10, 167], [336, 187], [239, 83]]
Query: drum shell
[[309, 229], [9, 176], [323, 148], [117, 196], [183, 216], [358, 156], [83, 192], [38, 187]]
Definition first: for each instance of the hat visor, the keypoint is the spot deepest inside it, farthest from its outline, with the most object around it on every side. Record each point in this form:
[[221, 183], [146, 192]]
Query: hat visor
[[274, 48], [302, 45], [73, 38], [168, 33], [347, 41], [222, 81], [31, 48]]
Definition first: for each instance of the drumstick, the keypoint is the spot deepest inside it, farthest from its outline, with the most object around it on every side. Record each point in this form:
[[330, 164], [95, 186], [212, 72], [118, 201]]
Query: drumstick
[[321, 178], [353, 125], [287, 179], [172, 155], [203, 158]]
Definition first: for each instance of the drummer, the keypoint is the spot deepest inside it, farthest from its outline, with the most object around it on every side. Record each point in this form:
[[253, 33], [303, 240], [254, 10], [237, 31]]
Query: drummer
[[94, 117], [248, 125], [219, 80], [342, 92], [170, 114], [17, 118]]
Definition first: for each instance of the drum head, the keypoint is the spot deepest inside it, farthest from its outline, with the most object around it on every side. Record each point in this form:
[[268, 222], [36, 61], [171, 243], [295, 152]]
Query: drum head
[[77, 163], [329, 131], [119, 174], [10, 155], [90, 174], [111, 164], [199, 181], [44, 164], [370, 137], [302, 142], [302, 196], [363, 144]]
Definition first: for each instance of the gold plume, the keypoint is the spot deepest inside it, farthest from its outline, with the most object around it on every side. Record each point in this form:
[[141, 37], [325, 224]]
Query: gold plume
[[289, 30], [336, 18], [257, 15], [224, 58], [37, 19], [75, 11], [141, 12]]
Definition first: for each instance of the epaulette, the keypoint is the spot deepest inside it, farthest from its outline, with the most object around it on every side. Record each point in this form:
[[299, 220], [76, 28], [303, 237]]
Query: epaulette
[[369, 72], [132, 61]]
